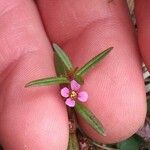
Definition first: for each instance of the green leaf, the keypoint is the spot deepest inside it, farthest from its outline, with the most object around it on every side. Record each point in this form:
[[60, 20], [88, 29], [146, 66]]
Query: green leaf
[[63, 56], [133, 143], [62, 70], [59, 66], [73, 142], [48, 81], [93, 62], [89, 117]]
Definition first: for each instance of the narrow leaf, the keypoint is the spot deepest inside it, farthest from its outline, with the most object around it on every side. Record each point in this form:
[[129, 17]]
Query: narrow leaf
[[73, 142], [89, 117], [93, 62], [48, 81], [62, 70], [63, 56], [59, 66]]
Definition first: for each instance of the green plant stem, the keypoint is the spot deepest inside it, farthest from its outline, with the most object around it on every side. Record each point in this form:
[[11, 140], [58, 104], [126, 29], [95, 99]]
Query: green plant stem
[[72, 119], [73, 141]]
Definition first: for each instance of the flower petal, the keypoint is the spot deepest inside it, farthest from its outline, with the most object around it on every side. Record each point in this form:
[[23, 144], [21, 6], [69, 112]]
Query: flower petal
[[74, 85], [83, 96], [65, 92], [70, 102]]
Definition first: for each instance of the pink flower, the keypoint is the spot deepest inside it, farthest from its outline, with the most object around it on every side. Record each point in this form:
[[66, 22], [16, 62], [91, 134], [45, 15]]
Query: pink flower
[[73, 94]]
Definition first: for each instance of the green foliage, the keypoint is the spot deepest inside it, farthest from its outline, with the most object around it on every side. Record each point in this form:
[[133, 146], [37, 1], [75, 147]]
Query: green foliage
[[48, 81], [64, 69], [63, 57], [73, 142], [89, 65], [132, 143], [90, 118]]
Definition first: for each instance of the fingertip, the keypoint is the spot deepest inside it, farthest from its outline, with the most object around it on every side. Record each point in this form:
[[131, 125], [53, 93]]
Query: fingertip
[[143, 22], [35, 126], [30, 118]]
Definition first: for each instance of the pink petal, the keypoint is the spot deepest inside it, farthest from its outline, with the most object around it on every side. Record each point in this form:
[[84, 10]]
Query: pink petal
[[65, 92], [70, 102], [74, 85], [83, 96]]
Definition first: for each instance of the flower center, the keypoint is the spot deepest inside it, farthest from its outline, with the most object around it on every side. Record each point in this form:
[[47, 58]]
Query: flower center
[[73, 95]]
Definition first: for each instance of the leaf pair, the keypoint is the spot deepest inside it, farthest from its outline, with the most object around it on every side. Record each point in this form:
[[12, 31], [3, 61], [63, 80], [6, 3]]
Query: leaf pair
[[66, 66], [83, 70]]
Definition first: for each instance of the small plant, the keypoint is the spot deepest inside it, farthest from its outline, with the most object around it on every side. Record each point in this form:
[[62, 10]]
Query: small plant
[[70, 79]]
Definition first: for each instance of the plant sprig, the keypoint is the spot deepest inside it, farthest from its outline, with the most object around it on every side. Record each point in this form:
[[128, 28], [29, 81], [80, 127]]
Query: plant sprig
[[66, 72]]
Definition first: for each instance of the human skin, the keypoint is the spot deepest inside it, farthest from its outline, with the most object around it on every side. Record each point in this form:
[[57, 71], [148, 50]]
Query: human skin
[[143, 22], [36, 118]]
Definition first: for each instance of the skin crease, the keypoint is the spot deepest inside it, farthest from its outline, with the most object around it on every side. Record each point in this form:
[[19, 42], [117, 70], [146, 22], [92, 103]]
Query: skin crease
[[31, 118]]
